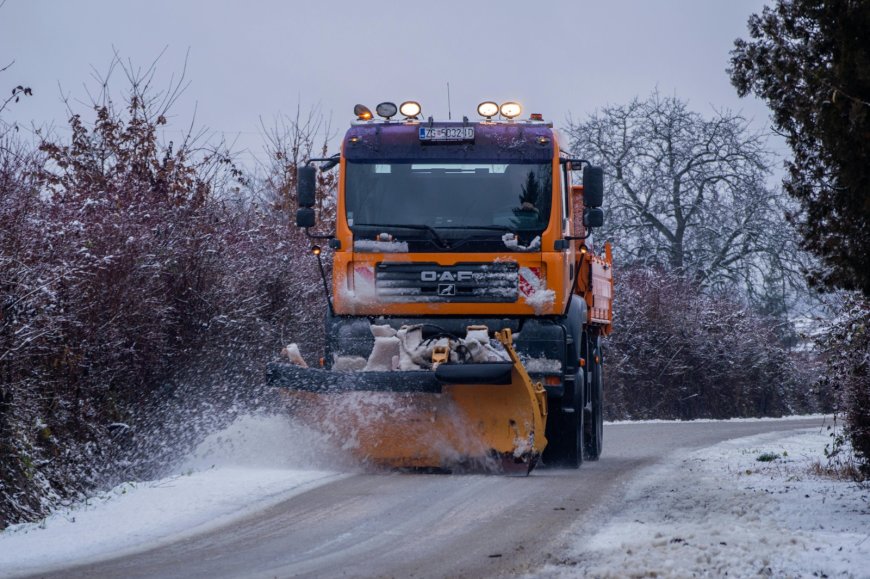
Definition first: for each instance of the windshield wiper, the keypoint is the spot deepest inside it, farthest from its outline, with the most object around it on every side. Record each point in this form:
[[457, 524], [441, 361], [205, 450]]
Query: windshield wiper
[[501, 228], [428, 228], [467, 238]]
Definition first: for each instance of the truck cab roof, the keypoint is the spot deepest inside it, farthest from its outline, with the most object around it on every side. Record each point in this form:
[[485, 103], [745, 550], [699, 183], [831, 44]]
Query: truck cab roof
[[523, 142]]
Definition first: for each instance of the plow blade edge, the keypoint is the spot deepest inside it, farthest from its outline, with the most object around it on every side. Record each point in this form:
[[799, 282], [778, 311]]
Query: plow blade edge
[[484, 416]]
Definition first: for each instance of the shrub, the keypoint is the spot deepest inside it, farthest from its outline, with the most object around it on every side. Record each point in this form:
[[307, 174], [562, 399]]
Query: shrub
[[680, 353], [846, 347], [142, 293]]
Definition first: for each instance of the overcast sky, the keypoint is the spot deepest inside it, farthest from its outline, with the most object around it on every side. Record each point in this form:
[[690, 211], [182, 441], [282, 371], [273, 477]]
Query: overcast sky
[[260, 58]]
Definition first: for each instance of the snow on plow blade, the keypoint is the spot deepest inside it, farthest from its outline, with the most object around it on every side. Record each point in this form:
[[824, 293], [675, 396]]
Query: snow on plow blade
[[480, 416]]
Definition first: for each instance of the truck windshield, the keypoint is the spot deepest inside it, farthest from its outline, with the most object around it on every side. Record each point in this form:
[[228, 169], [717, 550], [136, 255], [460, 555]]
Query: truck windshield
[[453, 198]]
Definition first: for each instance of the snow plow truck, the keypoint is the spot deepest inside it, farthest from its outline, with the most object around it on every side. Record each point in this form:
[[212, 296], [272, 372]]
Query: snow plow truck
[[467, 302]]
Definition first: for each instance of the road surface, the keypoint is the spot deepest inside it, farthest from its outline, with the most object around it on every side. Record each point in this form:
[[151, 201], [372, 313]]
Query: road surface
[[426, 525]]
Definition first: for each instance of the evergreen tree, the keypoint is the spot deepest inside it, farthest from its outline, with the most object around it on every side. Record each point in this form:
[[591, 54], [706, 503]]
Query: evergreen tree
[[810, 60]]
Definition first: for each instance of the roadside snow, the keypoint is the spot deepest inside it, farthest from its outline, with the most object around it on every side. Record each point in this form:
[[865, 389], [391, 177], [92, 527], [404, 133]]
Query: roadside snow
[[719, 420], [721, 511], [256, 462]]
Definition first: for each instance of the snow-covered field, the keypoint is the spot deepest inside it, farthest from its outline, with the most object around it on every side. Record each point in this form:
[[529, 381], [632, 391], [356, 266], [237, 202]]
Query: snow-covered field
[[722, 511], [255, 462]]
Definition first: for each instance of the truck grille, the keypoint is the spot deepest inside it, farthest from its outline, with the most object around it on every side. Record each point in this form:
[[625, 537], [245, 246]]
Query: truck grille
[[463, 282]]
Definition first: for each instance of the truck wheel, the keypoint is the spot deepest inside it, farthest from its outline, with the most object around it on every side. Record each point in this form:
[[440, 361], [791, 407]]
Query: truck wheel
[[594, 424], [565, 439]]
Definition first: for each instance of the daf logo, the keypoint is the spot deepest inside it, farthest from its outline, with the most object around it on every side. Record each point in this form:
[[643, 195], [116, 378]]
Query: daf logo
[[446, 276], [446, 289]]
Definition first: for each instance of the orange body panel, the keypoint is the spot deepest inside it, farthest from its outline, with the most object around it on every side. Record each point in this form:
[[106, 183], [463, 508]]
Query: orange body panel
[[602, 292], [353, 284]]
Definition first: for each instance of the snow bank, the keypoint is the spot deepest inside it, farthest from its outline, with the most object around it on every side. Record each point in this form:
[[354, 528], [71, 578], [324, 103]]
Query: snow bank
[[709, 420], [256, 462], [721, 511]]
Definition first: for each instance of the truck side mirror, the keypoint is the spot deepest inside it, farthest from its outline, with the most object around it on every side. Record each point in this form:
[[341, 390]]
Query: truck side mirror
[[328, 166], [593, 217], [305, 217], [593, 186], [306, 183]]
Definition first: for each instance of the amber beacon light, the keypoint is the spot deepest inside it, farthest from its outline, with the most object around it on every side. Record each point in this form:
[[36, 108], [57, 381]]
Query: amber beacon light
[[362, 113]]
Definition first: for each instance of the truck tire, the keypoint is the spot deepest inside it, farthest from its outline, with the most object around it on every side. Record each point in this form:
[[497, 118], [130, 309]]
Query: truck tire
[[565, 438], [594, 410]]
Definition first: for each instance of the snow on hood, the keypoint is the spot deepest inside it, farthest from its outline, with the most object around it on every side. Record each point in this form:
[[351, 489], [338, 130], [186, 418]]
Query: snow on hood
[[376, 246]]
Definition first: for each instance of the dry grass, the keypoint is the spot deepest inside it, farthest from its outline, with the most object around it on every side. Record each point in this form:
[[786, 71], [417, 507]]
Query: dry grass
[[840, 470]]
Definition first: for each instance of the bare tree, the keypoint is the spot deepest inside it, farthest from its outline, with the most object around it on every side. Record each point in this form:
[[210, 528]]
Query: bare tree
[[690, 193], [290, 142]]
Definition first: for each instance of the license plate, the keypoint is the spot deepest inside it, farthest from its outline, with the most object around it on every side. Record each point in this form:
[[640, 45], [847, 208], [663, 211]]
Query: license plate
[[446, 133]]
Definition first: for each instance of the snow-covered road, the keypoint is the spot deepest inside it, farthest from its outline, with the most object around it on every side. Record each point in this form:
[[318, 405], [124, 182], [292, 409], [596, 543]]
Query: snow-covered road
[[267, 499]]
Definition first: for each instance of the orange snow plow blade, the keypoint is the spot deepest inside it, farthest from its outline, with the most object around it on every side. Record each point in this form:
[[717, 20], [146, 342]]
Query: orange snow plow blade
[[485, 416]]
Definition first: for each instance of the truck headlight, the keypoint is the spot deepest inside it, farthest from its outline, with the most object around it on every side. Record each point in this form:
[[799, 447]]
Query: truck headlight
[[510, 110], [410, 109], [386, 110], [487, 109]]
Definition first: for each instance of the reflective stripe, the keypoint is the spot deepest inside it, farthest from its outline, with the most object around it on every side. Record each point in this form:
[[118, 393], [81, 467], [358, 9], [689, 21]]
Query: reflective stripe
[[364, 280], [530, 280]]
